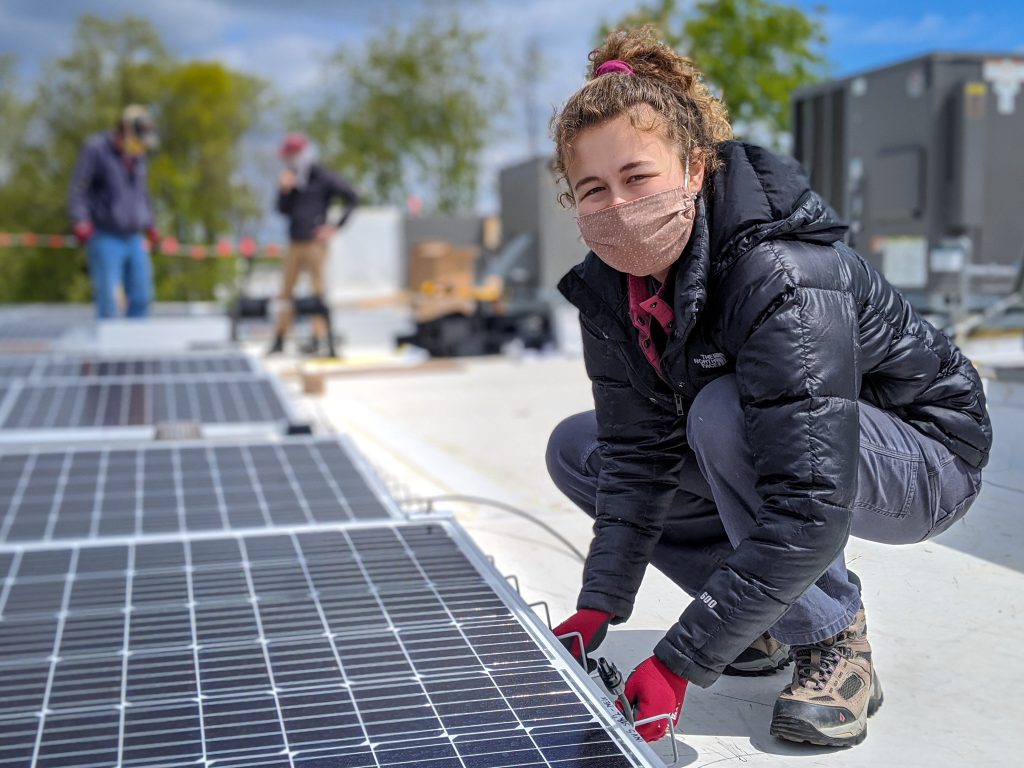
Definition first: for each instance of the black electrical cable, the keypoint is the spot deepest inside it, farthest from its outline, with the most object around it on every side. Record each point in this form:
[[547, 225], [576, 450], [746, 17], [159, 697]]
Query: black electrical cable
[[506, 508], [454, 497]]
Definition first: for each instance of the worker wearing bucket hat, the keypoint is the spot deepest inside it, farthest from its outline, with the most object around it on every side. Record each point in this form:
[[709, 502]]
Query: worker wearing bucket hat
[[111, 211]]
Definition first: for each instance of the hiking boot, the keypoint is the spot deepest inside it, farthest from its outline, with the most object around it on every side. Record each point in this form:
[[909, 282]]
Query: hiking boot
[[765, 656], [311, 347], [319, 346], [277, 347], [860, 625], [833, 693]]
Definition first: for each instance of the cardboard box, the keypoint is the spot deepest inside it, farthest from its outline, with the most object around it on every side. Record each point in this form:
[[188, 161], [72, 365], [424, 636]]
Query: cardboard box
[[441, 264]]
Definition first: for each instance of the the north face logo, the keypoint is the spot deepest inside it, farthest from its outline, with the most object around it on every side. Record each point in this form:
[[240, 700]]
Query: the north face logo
[[714, 360]]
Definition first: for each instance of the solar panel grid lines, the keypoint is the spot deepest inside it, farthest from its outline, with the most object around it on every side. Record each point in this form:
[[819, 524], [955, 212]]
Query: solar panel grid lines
[[19, 367], [123, 704], [363, 730], [11, 567], [21, 483], [51, 495], [262, 496], [8, 396], [455, 623], [262, 641], [47, 408], [102, 472], [301, 649], [245, 603], [141, 366], [62, 479], [62, 614], [222, 506], [56, 367]]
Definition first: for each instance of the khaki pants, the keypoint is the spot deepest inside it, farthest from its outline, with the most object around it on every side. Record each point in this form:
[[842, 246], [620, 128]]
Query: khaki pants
[[306, 256]]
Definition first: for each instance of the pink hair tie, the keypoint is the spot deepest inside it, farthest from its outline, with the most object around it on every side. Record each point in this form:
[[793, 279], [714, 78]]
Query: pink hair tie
[[613, 65]]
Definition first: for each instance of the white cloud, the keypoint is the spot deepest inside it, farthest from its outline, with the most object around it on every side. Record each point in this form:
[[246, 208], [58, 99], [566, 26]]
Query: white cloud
[[930, 29], [186, 26], [292, 62], [285, 43]]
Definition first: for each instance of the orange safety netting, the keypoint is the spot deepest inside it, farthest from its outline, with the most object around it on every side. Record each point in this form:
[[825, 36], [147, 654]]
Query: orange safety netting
[[246, 247]]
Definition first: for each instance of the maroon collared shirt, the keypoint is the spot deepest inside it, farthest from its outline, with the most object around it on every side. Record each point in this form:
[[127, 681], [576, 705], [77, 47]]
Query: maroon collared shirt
[[646, 307]]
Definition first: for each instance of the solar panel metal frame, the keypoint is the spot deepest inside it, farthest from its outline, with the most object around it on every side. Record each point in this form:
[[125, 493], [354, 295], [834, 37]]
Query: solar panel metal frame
[[34, 328], [228, 710], [25, 514], [146, 431]]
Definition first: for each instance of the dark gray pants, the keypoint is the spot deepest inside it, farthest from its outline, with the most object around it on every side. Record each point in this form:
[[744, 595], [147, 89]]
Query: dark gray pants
[[909, 489]]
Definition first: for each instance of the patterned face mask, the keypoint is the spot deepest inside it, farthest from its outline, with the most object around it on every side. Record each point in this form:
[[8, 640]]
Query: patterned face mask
[[644, 236], [133, 146]]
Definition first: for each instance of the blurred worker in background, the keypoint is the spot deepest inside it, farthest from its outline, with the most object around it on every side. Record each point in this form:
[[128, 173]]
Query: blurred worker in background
[[305, 192], [111, 208]]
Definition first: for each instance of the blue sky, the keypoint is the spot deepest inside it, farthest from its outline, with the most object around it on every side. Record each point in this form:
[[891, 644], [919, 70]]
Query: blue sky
[[285, 42], [865, 34]]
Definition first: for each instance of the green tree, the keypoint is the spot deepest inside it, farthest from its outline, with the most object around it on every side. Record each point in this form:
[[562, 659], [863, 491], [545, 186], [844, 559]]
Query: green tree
[[755, 53], [14, 115], [410, 113], [204, 111], [111, 63]]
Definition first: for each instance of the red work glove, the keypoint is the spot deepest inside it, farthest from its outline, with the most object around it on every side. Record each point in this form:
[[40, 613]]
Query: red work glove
[[654, 689], [153, 236], [83, 231], [592, 624]]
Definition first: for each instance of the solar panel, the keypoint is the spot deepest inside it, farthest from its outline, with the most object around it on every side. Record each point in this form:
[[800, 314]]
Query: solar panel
[[89, 493], [17, 367], [45, 408], [357, 646], [46, 367]]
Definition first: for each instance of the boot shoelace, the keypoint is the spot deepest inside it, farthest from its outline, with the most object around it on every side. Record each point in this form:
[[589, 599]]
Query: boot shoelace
[[816, 663]]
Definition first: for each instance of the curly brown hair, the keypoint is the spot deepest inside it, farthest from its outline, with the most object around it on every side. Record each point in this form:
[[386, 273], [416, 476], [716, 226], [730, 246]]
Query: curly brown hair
[[684, 110]]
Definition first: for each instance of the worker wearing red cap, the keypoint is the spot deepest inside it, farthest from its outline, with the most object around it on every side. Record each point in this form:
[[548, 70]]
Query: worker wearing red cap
[[305, 192]]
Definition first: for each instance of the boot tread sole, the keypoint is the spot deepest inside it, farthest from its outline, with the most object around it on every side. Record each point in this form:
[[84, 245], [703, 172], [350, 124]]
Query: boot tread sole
[[795, 729]]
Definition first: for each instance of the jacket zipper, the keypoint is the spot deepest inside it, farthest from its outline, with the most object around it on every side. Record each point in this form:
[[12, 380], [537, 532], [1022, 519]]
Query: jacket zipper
[[684, 385]]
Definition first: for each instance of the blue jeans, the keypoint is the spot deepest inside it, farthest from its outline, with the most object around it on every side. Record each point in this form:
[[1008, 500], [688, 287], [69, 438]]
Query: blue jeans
[[119, 259], [909, 488]]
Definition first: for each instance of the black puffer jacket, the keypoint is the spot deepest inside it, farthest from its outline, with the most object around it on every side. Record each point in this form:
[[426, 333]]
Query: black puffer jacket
[[765, 290], [306, 208]]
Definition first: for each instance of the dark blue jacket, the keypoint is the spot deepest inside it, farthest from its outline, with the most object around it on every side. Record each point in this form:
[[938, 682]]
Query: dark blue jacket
[[767, 287], [104, 192]]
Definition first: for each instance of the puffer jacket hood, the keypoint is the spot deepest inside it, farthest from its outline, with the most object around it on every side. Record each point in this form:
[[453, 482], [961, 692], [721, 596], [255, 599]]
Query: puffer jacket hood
[[786, 207], [765, 290]]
